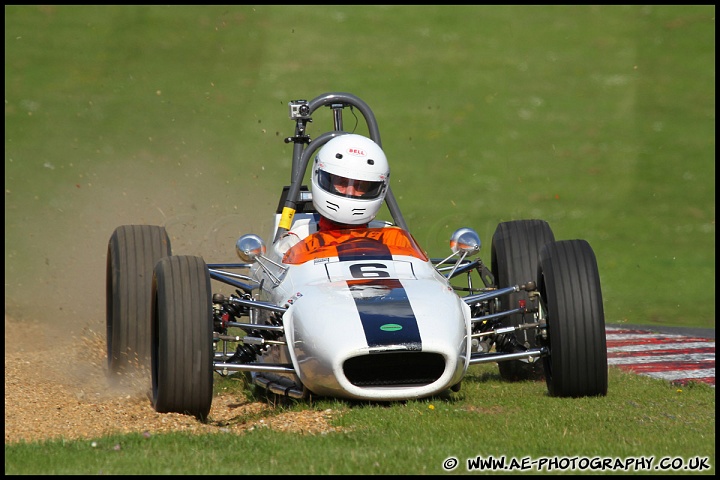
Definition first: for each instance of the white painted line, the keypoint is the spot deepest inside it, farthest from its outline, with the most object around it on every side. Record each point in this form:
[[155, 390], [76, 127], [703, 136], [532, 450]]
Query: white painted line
[[697, 357], [661, 346], [682, 374], [637, 336]]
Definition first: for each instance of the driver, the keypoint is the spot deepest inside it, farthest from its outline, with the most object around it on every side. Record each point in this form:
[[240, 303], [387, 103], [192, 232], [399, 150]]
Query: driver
[[349, 182], [350, 176]]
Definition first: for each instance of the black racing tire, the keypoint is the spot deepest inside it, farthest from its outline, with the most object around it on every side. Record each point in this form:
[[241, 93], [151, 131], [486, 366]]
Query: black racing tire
[[514, 260], [133, 251], [182, 337], [569, 286]]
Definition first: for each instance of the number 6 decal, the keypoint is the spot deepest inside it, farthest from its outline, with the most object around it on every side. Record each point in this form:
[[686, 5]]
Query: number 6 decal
[[369, 270]]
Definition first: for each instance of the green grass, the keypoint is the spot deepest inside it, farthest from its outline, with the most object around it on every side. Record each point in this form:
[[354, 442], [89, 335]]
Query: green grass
[[598, 119], [640, 417]]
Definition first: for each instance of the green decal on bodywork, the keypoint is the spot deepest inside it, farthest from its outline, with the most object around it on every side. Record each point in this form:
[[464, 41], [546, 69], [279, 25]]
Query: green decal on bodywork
[[391, 327]]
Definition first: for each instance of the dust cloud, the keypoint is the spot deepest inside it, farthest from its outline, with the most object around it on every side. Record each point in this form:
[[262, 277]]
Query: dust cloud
[[55, 253], [57, 278]]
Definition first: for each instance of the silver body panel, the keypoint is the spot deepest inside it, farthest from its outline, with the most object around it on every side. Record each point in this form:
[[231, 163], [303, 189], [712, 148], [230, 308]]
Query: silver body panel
[[406, 310]]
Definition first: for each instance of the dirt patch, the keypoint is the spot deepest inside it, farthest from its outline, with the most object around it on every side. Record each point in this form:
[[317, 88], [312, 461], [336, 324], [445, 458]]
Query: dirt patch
[[53, 392]]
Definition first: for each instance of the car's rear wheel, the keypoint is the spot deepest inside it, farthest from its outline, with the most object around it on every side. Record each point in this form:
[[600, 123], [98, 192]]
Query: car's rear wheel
[[133, 251], [571, 296], [514, 259], [182, 336]]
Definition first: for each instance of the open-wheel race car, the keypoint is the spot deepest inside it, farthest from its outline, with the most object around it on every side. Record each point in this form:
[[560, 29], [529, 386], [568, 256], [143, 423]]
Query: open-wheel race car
[[358, 312]]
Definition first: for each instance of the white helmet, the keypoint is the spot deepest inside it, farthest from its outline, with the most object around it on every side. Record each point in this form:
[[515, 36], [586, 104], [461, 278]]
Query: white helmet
[[350, 179]]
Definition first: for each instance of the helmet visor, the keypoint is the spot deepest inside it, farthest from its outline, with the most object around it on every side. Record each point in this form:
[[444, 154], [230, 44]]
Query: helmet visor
[[348, 187]]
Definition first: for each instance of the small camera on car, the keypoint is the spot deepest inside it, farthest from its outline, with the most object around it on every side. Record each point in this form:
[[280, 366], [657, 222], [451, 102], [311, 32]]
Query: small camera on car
[[299, 109]]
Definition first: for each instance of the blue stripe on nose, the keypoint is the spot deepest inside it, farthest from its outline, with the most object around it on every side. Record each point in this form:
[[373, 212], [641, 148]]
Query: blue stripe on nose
[[385, 312]]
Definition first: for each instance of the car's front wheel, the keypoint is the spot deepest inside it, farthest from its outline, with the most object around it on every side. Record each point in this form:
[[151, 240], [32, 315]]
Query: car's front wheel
[[182, 353], [569, 286]]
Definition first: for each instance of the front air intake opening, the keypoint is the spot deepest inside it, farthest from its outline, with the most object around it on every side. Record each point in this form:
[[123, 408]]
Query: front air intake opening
[[394, 369]]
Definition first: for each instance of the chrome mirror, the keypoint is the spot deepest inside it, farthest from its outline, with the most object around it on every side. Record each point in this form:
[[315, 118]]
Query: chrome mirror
[[465, 241], [249, 247]]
